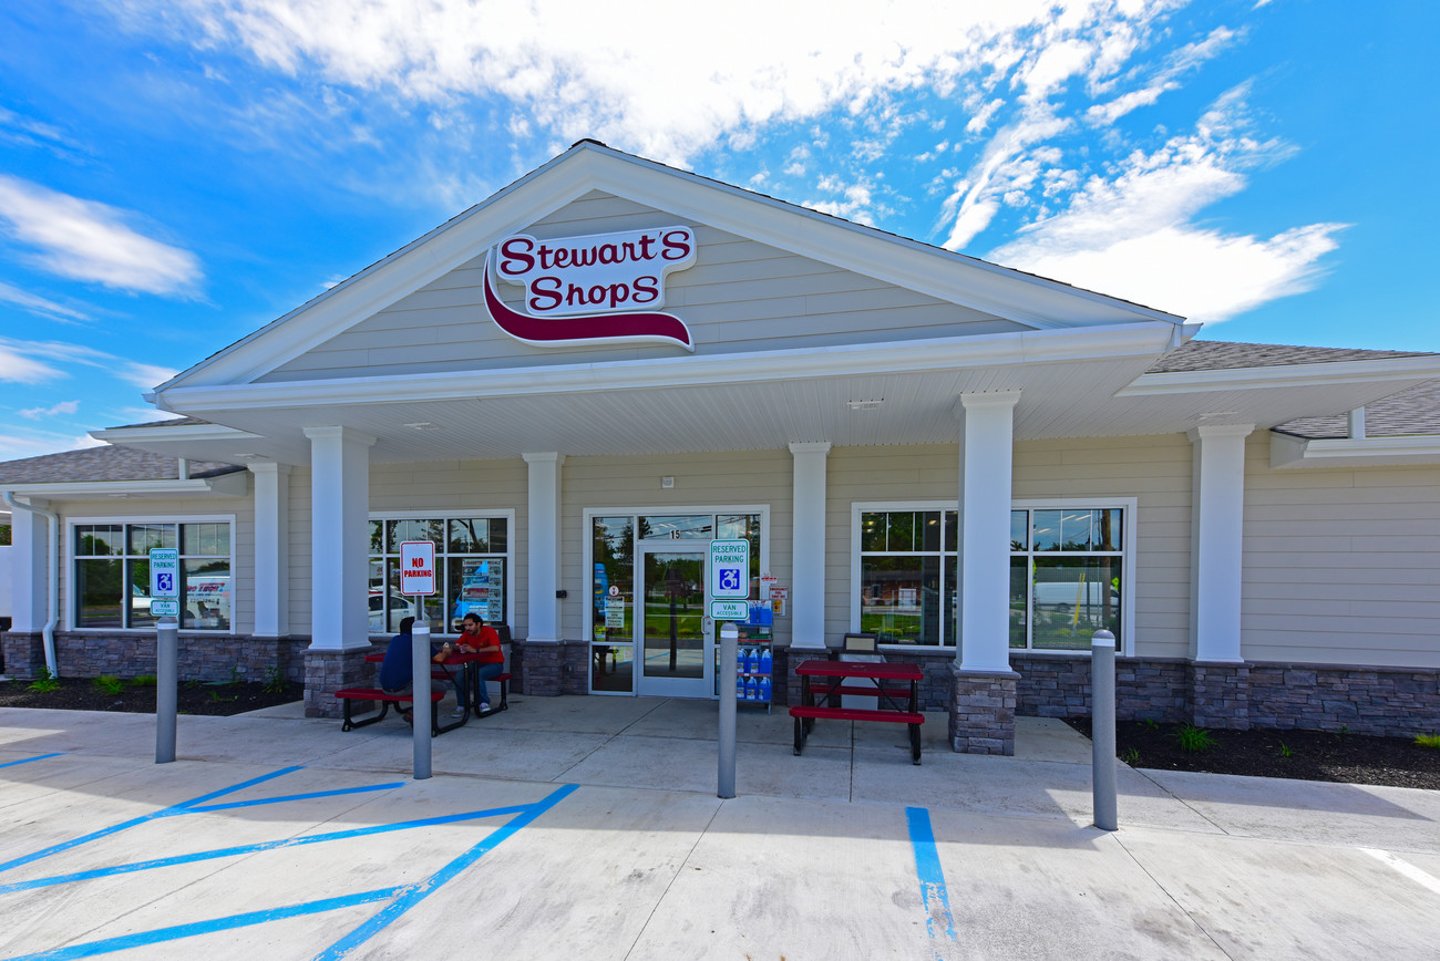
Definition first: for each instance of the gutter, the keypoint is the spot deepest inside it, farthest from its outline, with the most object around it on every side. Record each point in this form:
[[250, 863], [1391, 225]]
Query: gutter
[[53, 592]]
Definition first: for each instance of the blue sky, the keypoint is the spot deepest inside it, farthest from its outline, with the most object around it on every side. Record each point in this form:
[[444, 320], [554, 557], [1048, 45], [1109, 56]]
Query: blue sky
[[174, 175]]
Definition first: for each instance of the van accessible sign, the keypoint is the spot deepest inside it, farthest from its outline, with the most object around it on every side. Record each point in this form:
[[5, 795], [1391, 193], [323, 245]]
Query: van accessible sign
[[598, 287], [417, 568]]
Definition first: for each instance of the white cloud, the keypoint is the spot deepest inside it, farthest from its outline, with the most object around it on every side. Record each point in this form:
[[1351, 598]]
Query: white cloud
[[1133, 234], [64, 407], [17, 367], [16, 446], [40, 306], [638, 74], [145, 376], [90, 241]]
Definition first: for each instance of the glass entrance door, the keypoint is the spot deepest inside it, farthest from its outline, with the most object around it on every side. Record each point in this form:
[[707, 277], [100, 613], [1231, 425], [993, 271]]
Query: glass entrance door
[[674, 632]]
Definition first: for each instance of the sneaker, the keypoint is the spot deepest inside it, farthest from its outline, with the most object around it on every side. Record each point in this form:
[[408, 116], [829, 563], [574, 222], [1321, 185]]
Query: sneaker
[[458, 712], [408, 717], [484, 707]]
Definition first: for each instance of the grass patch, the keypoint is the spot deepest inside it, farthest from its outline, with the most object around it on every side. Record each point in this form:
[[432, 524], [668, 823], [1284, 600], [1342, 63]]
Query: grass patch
[[1431, 741], [46, 683], [143, 680], [110, 684], [1131, 757], [1194, 739]]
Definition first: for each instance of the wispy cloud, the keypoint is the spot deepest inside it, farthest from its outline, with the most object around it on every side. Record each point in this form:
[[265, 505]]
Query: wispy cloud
[[92, 242], [64, 407], [18, 367], [145, 376], [1132, 233], [40, 306]]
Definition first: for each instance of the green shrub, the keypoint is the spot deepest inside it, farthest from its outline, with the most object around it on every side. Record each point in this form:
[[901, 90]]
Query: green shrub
[[1195, 739], [1428, 740], [1285, 750], [275, 682], [143, 680], [110, 684], [1131, 757], [45, 683]]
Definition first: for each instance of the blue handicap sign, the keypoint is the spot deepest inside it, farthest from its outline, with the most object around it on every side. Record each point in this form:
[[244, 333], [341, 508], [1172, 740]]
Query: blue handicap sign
[[166, 583], [730, 579]]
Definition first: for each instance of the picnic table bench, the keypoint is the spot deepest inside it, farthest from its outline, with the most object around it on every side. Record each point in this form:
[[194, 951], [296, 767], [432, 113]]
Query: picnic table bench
[[889, 709]]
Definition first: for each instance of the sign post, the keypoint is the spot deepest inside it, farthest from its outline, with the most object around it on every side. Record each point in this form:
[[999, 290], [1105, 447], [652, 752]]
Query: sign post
[[417, 579], [729, 590], [165, 607]]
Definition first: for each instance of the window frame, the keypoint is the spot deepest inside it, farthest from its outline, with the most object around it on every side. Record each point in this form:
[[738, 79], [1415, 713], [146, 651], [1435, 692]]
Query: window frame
[[67, 551], [442, 553], [1128, 506]]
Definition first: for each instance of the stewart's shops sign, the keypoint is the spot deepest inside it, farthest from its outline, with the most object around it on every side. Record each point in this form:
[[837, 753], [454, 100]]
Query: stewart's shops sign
[[601, 287]]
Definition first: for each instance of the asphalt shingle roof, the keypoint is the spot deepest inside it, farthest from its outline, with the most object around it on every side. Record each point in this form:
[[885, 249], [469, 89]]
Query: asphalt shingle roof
[[1230, 355], [102, 464], [1413, 411]]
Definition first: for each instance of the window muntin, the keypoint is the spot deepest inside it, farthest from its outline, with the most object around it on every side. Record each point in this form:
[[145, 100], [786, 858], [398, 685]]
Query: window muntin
[[112, 573], [1067, 575], [1069, 582], [470, 561]]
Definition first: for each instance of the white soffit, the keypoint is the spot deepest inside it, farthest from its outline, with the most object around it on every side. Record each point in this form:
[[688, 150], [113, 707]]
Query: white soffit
[[233, 484], [1009, 294]]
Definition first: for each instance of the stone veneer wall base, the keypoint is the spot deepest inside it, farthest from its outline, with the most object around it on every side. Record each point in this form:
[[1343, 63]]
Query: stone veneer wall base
[[203, 657], [982, 712], [327, 671]]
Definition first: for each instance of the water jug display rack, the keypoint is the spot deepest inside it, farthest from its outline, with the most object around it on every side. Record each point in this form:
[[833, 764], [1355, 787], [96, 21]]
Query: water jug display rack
[[754, 667]]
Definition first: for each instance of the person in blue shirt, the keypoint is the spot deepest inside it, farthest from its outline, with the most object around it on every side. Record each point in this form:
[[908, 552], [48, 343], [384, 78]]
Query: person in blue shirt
[[397, 671]]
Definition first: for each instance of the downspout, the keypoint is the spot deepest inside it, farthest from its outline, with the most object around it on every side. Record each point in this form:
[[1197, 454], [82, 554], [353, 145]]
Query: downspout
[[53, 594]]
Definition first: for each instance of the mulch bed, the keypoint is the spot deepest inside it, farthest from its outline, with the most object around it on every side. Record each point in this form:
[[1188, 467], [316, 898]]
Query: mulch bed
[[192, 697], [1305, 755]]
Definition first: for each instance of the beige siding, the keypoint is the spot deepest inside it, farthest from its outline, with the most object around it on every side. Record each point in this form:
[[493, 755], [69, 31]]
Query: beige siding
[[1154, 470], [739, 296], [1341, 566], [760, 478], [301, 594], [117, 510]]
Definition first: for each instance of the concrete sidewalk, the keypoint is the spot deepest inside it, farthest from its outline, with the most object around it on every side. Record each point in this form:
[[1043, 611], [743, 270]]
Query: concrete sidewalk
[[589, 828]]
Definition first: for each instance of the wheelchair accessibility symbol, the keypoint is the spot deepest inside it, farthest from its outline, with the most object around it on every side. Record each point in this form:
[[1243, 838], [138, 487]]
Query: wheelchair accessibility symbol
[[165, 583], [730, 579]]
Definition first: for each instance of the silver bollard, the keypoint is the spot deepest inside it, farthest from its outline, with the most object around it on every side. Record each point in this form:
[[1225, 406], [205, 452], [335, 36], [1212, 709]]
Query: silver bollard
[[1102, 728], [167, 681], [729, 639], [422, 706]]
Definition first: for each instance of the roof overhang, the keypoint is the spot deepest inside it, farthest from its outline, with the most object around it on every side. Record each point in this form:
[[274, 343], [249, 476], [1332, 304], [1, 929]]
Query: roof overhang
[[230, 485], [1288, 451]]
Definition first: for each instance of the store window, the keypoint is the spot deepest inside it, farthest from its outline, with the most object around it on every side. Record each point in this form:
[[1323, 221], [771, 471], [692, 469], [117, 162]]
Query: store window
[[907, 576], [471, 558], [1067, 575], [111, 573]]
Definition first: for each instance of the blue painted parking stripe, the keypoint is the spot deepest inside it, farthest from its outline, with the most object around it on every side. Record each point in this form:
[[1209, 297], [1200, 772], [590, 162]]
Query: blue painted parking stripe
[[181, 808], [413, 894], [933, 893], [243, 849], [176, 932], [207, 808], [27, 760]]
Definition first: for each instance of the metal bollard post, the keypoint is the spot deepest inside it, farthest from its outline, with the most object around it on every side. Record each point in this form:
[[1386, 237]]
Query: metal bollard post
[[167, 682], [729, 638], [1102, 728], [422, 706]]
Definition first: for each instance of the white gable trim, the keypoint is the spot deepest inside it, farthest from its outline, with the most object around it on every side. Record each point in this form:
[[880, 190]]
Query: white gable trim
[[1288, 452], [1425, 367], [948, 353], [1009, 294]]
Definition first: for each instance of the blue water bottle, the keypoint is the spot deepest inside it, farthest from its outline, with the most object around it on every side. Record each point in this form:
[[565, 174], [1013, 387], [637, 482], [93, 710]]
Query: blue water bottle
[[764, 689], [739, 687], [750, 689], [767, 662]]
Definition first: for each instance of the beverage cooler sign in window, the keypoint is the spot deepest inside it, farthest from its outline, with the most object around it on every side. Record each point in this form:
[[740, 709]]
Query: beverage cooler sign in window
[[482, 589]]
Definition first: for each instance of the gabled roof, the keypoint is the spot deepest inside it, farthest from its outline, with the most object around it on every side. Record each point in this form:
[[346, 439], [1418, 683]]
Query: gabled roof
[[1410, 412], [587, 166], [1230, 355], [105, 464]]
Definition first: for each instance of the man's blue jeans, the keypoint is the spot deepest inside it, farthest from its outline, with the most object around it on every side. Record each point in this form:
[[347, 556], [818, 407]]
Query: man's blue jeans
[[487, 672]]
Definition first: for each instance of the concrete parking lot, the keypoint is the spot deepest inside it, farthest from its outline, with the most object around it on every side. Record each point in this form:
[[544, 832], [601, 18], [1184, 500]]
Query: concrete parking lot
[[589, 828]]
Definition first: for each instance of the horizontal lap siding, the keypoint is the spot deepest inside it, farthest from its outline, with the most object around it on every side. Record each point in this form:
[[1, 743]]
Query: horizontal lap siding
[[301, 595], [761, 478], [1154, 470], [1341, 566], [739, 296]]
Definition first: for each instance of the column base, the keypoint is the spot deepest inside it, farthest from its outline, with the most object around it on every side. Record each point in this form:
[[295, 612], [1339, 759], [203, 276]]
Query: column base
[[542, 668], [982, 711], [24, 655], [1220, 695], [327, 671], [794, 657]]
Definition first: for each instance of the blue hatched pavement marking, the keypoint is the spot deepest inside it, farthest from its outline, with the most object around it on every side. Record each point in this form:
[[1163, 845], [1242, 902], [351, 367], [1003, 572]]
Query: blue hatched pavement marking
[[401, 899], [27, 760]]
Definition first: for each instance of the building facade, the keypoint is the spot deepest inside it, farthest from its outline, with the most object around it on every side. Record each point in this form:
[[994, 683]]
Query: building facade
[[573, 387]]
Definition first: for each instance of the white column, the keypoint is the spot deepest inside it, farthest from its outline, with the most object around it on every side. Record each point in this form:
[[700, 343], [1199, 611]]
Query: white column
[[985, 494], [807, 549], [272, 548], [1218, 523], [543, 543], [339, 537], [29, 569]]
